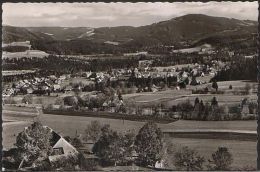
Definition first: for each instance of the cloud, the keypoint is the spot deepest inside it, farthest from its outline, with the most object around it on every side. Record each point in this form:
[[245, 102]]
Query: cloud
[[116, 14]]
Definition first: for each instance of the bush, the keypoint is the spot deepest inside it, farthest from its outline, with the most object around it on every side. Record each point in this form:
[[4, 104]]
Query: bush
[[77, 142], [247, 88], [87, 164], [185, 108], [199, 92], [234, 109], [66, 162], [221, 159], [28, 99], [188, 159]]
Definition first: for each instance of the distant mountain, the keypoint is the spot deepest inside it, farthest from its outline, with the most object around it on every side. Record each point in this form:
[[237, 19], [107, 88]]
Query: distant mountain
[[191, 30]]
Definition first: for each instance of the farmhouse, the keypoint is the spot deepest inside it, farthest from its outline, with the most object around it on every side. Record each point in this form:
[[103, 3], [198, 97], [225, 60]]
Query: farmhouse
[[61, 149]]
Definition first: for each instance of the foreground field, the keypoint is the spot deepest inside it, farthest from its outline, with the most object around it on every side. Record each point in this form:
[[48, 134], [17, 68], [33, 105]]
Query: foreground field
[[69, 125], [244, 152]]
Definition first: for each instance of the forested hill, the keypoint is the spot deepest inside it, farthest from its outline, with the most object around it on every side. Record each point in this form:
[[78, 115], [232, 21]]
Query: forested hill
[[185, 31]]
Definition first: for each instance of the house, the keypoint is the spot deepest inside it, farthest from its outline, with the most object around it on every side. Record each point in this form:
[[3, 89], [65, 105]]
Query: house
[[159, 164], [62, 149], [61, 146], [56, 87], [28, 90], [68, 88], [144, 63], [250, 56]]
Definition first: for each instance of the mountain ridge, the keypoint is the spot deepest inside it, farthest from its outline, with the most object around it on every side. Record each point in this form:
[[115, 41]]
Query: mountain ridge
[[191, 29]]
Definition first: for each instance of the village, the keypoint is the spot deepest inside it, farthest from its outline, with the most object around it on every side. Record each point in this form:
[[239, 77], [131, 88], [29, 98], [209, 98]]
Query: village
[[146, 92], [163, 93]]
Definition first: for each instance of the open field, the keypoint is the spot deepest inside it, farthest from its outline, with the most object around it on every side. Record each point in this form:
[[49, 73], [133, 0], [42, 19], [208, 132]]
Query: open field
[[44, 99], [224, 85], [170, 98], [160, 68], [16, 72], [223, 99], [27, 53], [244, 152], [147, 97], [69, 125], [109, 115], [173, 97]]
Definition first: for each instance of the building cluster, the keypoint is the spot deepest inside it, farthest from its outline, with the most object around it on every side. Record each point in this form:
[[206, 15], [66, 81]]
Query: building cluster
[[38, 85]]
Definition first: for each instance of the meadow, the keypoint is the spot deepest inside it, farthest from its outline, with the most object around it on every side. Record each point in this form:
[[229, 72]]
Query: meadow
[[244, 152]]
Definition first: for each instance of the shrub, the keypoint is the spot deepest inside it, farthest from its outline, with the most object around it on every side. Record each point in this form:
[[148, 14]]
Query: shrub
[[252, 107], [185, 107], [77, 142], [188, 159], [28, 99], [247, 88], [234, 109], [221, 159]]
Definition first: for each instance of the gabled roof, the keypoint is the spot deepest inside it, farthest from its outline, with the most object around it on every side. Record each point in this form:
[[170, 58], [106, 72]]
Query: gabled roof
[[55, 138]]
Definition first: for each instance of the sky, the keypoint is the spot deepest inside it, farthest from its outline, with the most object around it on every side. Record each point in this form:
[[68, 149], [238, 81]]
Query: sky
[[118, 14]]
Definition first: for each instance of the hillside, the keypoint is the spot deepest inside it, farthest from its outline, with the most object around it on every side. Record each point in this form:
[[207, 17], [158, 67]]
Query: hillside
[[188, 30]]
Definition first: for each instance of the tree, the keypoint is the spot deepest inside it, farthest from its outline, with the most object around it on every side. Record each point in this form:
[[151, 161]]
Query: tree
[[215, 85], [70, 101], [188, 159], [214, 101], [28, 99], [120, 97], [148, 144], [185, 108], [113, 147], [93, 131], [197, 101], [77, 142], [221, 159], [201, 110], [34, 143], [206, 112], [247, 88], [193, 81]]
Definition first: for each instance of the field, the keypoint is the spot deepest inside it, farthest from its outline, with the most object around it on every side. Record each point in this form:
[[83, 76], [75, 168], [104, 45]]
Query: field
[[69, 125], [16, 72], [28, 53], [15, 119], [173, 97], [244, 152]]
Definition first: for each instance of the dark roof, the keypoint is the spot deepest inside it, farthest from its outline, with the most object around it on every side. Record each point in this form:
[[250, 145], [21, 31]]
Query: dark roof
[[55, 138]]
